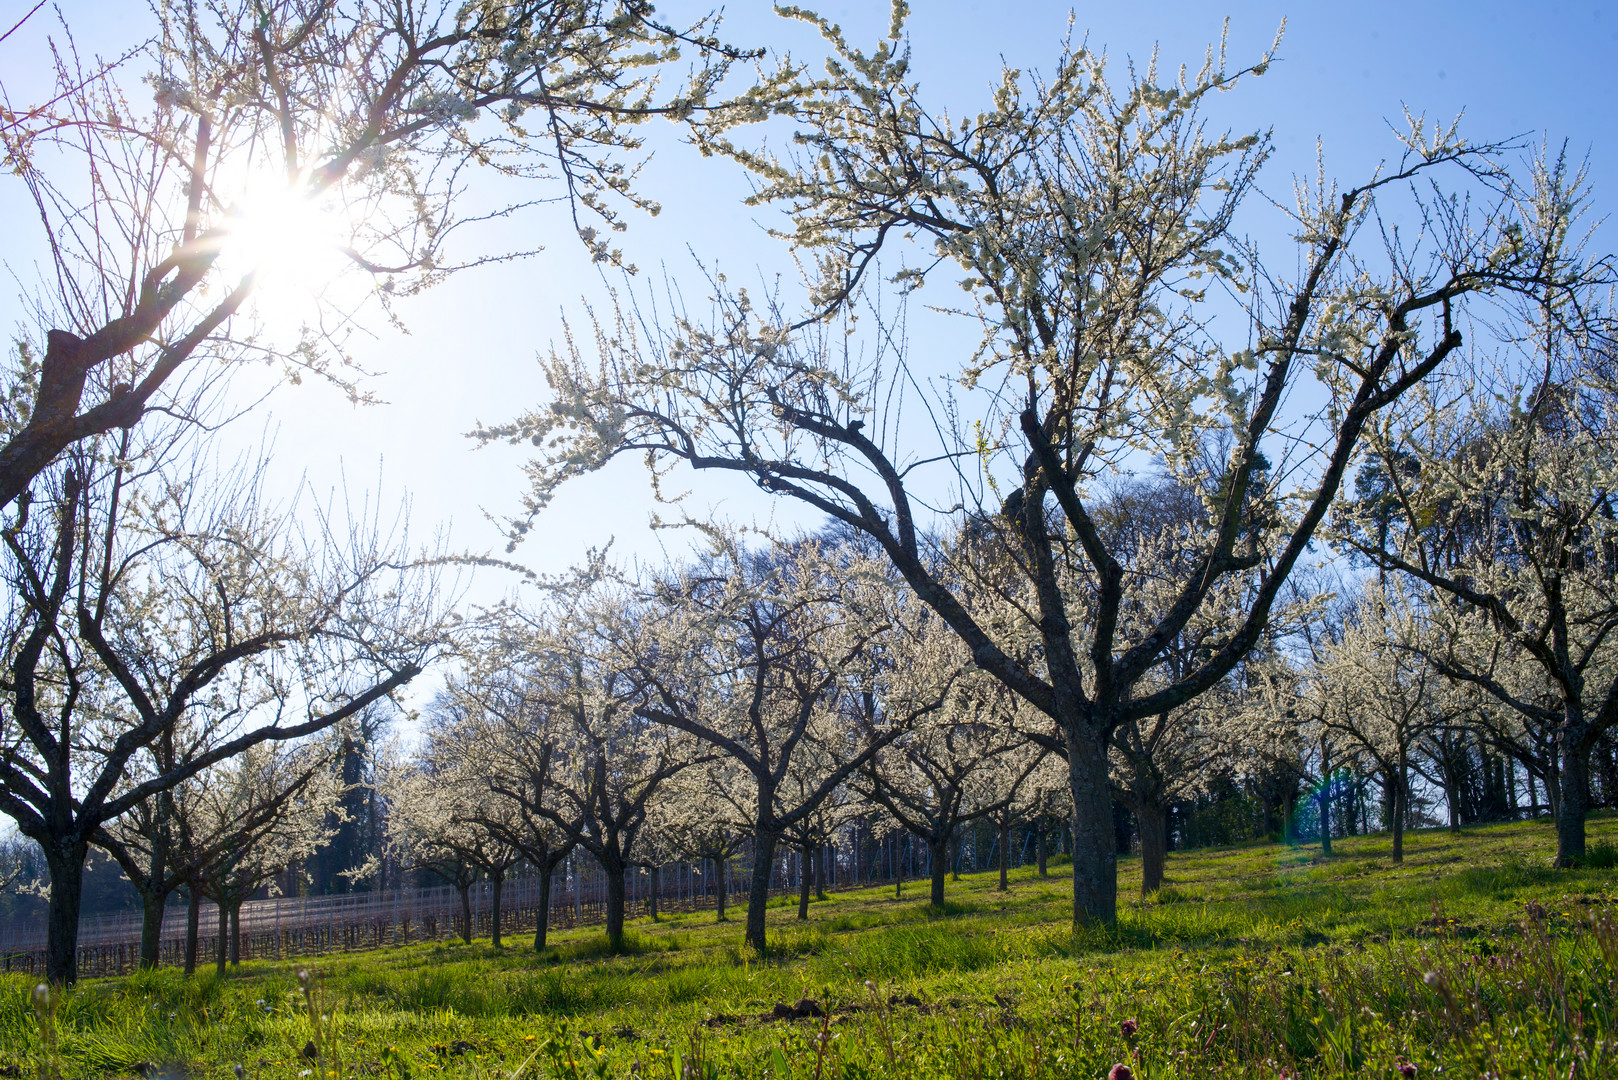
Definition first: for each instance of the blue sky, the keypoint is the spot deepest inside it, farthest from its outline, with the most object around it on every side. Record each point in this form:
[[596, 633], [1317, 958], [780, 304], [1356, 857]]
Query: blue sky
[[1345, 70]]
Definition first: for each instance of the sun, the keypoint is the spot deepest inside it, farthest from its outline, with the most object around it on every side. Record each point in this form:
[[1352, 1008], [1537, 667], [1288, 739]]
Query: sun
[[292, 244]]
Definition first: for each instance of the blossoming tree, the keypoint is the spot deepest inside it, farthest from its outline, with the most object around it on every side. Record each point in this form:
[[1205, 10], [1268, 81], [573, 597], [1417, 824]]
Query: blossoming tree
[[315, 142], [1120, 322]]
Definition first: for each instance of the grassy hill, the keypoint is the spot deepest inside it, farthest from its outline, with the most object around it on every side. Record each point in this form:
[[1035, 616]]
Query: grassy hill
[[1471, 959]]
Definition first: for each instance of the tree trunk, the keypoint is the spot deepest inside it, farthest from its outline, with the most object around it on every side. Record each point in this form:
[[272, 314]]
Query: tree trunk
[[65, 861], [806, 856], [1123, 828], [193, 912], [615, 907], [153, 898], [542, 917], [466, 912], [1572, 803], [1324, 795], [1154, 840], [152, 903], [1452, 791], [940, 865], [236, 934], [1607, 754], [1325, 813], [1003, 842], [222, 953], [1397, 781], [758, 893], [720, 868], [1095, 848], [496, 884], [1039, 846]]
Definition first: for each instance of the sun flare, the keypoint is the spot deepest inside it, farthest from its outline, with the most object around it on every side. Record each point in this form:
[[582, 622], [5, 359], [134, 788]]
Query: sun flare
[[291, 243]]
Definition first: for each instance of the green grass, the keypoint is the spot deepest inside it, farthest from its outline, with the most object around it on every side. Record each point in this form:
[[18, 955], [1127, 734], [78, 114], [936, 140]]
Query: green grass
[[1474, 957]]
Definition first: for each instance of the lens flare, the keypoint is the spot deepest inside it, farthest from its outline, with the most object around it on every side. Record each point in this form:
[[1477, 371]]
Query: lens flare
[[1333, 785]]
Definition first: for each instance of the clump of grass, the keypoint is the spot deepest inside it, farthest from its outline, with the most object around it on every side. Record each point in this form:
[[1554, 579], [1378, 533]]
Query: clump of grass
[[600, 945], [1602, 855], [1169, 894], [922, 950], [797, 943]]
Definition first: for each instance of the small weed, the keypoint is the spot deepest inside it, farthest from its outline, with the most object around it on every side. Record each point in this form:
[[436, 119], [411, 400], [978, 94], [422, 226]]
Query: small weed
[[46, 1001], [322, 1048]]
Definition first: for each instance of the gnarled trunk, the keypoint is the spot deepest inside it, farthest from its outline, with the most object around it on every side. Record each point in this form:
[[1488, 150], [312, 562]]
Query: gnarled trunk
[[152, 904], [1095, 848], [65, 861], [1040, 850], [153, 898], [542, 918], [758, 893], [1572, 802], [615, 907], [466, 912]]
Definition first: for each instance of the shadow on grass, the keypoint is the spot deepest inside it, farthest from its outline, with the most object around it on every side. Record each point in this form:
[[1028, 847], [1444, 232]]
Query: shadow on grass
[[599, 946], [949, 909]]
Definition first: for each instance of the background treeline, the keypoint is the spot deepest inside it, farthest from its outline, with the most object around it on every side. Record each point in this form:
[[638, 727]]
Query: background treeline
[[631, 722]]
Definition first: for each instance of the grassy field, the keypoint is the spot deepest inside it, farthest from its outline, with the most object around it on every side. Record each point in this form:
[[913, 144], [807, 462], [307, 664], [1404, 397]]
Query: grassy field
[[1473, 958]]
